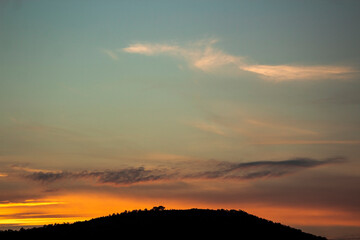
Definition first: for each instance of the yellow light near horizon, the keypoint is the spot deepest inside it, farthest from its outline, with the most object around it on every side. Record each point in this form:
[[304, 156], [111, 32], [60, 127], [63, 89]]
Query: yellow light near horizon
[[65, 208], [70, 208], [27, 204], [39, 221]]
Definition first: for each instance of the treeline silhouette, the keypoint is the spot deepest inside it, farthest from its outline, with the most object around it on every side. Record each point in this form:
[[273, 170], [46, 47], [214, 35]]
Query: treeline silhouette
[[159, 223]]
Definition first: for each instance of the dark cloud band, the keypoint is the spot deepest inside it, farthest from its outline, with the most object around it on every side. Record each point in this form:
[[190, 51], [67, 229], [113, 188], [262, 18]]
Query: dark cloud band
[[212, 170]]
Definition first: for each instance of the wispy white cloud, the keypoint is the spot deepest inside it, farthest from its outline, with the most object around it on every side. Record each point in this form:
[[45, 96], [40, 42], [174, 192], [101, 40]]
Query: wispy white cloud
[[204, 56], [112, 54], [252, 128], [292, 72], [277, 127], [153, 49], [211, 58], [201, 55], [209, 127], [249, 130], [307, 142]]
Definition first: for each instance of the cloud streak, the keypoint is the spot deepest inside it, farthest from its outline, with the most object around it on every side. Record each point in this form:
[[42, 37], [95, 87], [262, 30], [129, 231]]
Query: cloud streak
[[292, 72], [261, 169], [154, 49], [212, 170], [209, 127], [308, 142], [204, 56], [112, 54], [201, 55], [122, 176]]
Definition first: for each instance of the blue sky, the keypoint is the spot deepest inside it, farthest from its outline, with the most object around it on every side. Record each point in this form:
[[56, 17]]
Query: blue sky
[[159, 86]]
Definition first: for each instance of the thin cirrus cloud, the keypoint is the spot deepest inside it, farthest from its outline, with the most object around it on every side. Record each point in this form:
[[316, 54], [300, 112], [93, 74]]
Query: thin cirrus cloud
[[210, 127], [209, 170], [254, 130], [29, 203], [112, 54], [204, 56], [266, 133], [201, 55], [289, 72]]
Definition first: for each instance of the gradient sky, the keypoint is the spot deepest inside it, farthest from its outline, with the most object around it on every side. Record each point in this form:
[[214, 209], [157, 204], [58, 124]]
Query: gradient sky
[[114, 105]]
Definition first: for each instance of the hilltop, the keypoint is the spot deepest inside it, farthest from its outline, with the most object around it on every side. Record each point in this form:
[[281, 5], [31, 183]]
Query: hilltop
[[168, 224]]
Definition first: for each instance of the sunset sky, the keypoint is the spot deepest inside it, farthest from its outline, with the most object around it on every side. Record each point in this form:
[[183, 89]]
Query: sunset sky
[[108, 106]]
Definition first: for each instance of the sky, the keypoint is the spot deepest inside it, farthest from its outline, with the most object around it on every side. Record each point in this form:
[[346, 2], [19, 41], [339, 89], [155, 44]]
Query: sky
[[108, 106]]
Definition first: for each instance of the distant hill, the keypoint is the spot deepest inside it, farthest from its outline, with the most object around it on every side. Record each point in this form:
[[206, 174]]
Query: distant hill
[[159, 223]]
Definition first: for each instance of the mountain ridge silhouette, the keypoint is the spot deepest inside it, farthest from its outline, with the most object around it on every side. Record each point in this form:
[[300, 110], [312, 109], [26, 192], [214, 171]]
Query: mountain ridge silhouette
[[165, 224]]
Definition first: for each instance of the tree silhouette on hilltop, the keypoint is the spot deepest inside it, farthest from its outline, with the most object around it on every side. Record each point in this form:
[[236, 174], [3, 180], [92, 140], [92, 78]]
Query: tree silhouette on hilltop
[[166, 224]]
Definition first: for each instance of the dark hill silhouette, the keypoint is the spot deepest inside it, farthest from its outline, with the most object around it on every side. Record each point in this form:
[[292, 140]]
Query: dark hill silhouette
[[159, 223]]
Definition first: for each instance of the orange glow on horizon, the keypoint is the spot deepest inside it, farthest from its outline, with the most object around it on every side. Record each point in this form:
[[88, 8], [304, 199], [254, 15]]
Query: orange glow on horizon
[[82, 206], [304, 216], [28, 203]]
